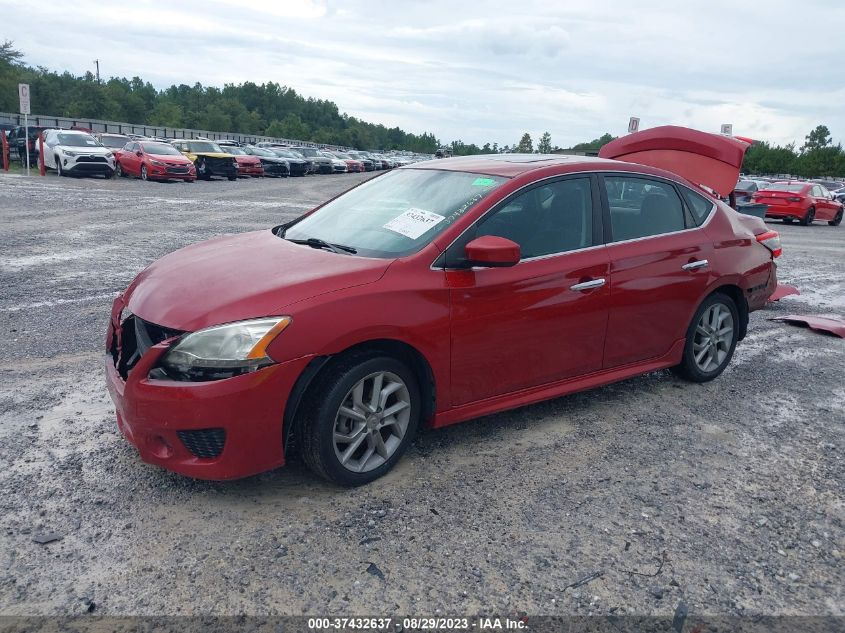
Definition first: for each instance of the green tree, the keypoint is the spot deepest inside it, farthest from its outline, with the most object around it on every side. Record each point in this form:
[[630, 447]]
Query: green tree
[[9, 55], [544, 145], [596, 144], [525, 145], [818, 138]]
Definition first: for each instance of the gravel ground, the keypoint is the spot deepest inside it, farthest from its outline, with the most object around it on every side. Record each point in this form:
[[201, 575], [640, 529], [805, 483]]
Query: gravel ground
[[727, 496]]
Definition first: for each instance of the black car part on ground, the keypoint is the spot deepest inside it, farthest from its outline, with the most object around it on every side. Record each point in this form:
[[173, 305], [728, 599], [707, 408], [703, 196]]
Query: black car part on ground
[[208, 166]]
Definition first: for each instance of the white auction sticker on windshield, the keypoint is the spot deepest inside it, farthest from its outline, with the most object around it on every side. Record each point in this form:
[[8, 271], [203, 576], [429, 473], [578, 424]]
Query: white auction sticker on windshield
[[413, 222]]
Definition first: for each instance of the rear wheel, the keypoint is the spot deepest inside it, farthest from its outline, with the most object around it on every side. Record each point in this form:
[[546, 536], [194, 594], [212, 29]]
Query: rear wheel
[[360, 416], [808, 217], [711, 339], [837, 219]]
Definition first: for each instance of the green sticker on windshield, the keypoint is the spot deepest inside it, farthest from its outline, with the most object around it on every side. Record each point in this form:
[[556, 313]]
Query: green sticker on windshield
[[483, 182]]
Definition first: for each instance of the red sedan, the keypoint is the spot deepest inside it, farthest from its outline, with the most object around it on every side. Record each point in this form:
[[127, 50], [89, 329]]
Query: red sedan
[[149, 160], [433, 294], [801, 201], [248, 165]]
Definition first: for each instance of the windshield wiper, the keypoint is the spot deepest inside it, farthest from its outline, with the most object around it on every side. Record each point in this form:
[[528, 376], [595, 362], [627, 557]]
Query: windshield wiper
[[316, 242]]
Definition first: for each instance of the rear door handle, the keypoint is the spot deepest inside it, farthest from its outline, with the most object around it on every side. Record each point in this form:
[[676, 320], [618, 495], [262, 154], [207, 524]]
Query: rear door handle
[[701, 263], [588, 285]]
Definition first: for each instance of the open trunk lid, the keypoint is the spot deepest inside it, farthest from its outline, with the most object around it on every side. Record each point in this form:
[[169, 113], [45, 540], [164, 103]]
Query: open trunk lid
[[712, 160]]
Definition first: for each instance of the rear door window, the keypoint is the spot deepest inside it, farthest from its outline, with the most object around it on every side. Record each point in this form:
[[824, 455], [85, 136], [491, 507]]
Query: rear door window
[[699, 206], [641, 207]]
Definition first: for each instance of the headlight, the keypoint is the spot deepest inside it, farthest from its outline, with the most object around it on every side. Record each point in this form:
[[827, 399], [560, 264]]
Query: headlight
[[223, 351], [68, 152], [157, 162], [109, 154]]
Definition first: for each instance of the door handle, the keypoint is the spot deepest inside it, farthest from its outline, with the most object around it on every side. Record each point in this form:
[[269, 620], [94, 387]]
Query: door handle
[[701, 263], [588, 285]]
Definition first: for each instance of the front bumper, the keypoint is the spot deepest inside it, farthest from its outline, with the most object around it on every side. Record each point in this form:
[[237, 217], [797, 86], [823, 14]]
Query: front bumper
[[250, 170], [250, 408], [75, 166]]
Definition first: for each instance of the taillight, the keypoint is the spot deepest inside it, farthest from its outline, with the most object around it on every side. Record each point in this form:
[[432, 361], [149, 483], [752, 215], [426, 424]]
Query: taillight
[[793, 199], [771, 240]]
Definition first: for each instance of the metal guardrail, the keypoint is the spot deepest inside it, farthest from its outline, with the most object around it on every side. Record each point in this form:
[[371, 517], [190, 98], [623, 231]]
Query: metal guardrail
[[115, 127]]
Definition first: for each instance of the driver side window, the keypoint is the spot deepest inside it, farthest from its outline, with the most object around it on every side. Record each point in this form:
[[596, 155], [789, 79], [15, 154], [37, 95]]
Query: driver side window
[[545, 220]]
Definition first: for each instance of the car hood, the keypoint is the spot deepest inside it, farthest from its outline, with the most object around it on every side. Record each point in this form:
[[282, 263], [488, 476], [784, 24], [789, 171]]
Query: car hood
[[88, 149], [244, 276]]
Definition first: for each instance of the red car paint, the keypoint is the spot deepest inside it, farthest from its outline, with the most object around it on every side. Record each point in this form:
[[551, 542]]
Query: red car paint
[[159, 166], [793, 200], [783, 290], [491, 337], [249, 165], [826, 324]]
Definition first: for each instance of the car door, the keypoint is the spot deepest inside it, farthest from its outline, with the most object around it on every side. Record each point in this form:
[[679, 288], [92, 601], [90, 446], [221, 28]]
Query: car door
[[824, 205], [543, 319], [659, 260]]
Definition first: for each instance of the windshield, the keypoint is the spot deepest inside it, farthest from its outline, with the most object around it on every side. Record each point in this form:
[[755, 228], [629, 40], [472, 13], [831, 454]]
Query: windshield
[[160, 149], [307, 151], [204, 146], [395, 214], [287, 153], [236, 151], [78, 140], [114, 141], [797, 187], [257, 151]]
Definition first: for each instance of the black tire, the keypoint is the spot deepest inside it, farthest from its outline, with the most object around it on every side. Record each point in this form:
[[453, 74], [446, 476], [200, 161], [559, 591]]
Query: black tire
[[688, 369], [837, 219], [808, 217], [144, 174], [109, 174], [233, 178], [315, 428], [118, 171], [59, 170], [202, 170]]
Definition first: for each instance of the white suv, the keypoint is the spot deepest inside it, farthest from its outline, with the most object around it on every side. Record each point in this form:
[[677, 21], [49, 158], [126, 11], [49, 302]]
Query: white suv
[[73, 152]]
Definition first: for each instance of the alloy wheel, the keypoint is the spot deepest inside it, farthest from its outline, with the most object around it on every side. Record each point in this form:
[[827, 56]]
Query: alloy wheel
[[713, 337], [372, 421], [143, 172]]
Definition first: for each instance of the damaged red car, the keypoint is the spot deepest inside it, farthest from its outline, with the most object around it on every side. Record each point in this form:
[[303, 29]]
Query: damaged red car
[[434, 294]]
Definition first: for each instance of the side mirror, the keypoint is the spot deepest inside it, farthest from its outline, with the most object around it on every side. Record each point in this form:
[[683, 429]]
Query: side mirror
[[139, 154], [492, 251]]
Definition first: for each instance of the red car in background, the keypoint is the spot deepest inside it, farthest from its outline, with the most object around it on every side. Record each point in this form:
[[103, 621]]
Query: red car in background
[[802, 201], [352, 164], [248, 165], [436, 293], [151, 160]]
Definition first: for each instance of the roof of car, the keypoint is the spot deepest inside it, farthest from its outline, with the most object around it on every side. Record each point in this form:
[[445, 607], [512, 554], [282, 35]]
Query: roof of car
[[509, 165]]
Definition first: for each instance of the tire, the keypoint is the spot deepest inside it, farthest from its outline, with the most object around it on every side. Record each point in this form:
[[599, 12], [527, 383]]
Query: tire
[[713, 352], [808, 217], [202, 170], [232, 178], [364, 458], [118, 171], [109, 174], [837, 219], [144, 174], [59, 170]]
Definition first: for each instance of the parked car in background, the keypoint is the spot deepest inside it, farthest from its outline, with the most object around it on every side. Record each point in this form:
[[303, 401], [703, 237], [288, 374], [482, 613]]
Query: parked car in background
[[248, 165], [151, 160], [209, 158], [352, 164], [272, 164], [112, 141], [338, 165], [322, 164], [830, 185], [802, 201], [299, 165], [839, 194], [744, 190], [347, 329], [70, 152], [367, 162], [18, 141]]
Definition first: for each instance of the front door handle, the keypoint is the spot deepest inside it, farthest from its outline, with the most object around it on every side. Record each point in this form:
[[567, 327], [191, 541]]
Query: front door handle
[[701, 263], [588, 285]]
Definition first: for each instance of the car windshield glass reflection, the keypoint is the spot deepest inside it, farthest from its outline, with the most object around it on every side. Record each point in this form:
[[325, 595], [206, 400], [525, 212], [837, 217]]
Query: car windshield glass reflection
[[395, 214]]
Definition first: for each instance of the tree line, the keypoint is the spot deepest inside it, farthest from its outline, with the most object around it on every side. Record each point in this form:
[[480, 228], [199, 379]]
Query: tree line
[[271, 109]]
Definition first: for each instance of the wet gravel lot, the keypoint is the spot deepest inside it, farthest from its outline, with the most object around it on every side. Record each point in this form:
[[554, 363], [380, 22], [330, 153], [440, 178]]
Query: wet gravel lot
[[728, 496]]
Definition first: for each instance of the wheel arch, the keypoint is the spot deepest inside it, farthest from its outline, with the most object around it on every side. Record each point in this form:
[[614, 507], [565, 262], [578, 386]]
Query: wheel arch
[[392, 347], [738, 296]]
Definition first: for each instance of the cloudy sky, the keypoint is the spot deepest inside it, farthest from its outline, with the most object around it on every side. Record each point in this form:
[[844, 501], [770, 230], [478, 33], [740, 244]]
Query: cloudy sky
[[478, 71]]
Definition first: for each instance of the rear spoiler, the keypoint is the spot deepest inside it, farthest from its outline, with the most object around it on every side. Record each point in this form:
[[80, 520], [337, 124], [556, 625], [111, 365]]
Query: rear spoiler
[[706, 159]]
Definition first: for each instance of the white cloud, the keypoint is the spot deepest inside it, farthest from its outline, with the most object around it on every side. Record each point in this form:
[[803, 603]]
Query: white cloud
[[478, 71]]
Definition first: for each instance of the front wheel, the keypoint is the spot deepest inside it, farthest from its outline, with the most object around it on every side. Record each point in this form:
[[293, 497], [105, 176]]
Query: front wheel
[[837, 219], [360, 416], [711, 339], [808, 217], [144, 174], [59, 169], [118, 171]]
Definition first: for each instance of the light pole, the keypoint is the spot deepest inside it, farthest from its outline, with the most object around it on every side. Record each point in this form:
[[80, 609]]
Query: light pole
[[97, 62]]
